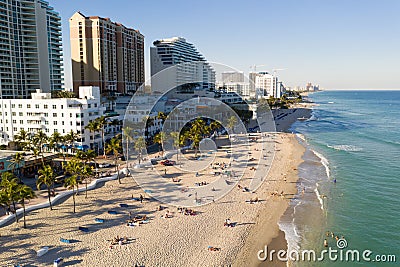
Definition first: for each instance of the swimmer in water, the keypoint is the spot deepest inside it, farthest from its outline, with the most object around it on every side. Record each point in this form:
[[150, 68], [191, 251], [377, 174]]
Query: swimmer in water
[[325, 243]]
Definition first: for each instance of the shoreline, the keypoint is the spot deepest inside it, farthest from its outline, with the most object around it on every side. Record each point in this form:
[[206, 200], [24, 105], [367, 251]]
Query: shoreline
[[269, 217]]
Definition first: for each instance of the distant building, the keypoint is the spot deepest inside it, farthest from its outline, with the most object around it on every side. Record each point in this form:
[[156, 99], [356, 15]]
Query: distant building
[[241, 88], [52, 115], [106, 54], [232, 77], [30, 44], [266, 85], [192, 71]]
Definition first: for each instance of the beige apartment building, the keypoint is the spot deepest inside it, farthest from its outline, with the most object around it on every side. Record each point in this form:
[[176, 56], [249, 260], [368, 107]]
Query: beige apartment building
[[106, 54]]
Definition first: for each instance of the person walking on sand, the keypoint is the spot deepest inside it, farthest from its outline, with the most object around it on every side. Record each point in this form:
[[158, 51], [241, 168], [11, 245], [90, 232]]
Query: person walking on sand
[[141, 198]]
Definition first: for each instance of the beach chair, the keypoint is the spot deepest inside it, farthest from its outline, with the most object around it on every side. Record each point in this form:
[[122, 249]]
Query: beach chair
[[99, 220], [83, 229], [123, 205], [65, 240], [42, 251], [58, 262], [112, 212]]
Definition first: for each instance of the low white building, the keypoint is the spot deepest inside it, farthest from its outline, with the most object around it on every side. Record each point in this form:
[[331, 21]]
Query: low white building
[[52, 115]]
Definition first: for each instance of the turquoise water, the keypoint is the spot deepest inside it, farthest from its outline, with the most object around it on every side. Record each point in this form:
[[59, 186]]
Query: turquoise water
[[356, 134]]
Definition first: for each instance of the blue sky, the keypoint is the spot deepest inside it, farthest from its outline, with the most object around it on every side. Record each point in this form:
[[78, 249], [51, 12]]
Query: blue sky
[[340, 44]]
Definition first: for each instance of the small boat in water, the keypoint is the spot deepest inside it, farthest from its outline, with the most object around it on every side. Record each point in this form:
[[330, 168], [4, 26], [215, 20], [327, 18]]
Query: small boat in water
[[302, 119], [330, 102]]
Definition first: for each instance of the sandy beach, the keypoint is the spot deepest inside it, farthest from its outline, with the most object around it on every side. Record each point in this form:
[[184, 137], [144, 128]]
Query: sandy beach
[[181, 240]]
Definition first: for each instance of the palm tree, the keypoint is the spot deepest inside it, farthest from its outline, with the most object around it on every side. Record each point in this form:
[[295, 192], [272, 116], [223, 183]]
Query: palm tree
[[159, 139], [15, 163], [39, 139], [70, 139], [115, 147], [175, 142], [47, 177], [161, 116], [22, 139], [195, 133], [140, 144], [4, 201], [232, 121], [86, 173], [93, 127], [70, 183], [102, 122], [24, 192], [9, 185], [74, 168], [55, 139], [127, 132]]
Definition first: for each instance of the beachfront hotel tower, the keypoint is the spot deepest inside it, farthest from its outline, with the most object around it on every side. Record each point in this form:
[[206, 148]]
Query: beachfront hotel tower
[[30, 48], [190, 67], [106, 54]]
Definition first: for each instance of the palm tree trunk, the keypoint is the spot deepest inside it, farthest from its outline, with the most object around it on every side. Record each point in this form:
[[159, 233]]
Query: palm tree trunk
[[23, 209], [48, 195], [127, 153], [73, 197], [86, 187], [116, 167], [102, 137], [15, 211]]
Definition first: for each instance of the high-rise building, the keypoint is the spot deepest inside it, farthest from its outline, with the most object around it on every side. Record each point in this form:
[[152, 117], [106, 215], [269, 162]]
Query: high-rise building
[[191, 68], [232, 77], [30, 48], [266, 85], [106, 54]]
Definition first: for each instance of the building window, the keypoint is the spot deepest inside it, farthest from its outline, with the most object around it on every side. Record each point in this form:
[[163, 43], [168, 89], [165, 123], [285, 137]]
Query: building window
[[89, 105], [46, 114], [14, 113], [55, 106], [15, 129], [46, 122], [47, 130], [55, 115], [12, 105], [62, 122], [62, 106], [63, 130], [28, 106], [55, 122], [14, 121], [21, 122], [37, 106], [19, 105], [21, 114], [62, 115], [46, 106], [70, 123], [55, 130], [95, 105]]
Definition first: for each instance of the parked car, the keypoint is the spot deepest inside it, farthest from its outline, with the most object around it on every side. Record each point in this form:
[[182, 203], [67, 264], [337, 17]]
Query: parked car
[[104, 165], [167, 162]]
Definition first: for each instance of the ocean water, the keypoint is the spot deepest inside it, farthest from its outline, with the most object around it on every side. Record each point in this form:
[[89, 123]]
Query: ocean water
[[353, 138]]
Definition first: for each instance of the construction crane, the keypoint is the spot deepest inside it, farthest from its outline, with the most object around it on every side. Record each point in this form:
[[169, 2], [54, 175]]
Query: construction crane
[[254, 67], [275, 70]]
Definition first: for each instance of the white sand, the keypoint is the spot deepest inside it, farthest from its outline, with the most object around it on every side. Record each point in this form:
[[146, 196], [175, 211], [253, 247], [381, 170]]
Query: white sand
[[178, 241]]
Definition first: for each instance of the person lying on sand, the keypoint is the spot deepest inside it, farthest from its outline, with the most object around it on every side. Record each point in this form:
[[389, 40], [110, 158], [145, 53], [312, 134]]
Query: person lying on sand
[[210, 248]]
